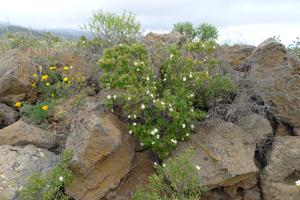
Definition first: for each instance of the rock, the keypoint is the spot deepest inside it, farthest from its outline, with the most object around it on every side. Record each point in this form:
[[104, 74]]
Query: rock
[[233, 57], [283, 169], [21, 134], [275, 77], [152, 39], [142, 168], [258, 126], [17, 164], [7, 115], [16, 71], [252, 195], [283, 130], [103, 152], [224, 152]]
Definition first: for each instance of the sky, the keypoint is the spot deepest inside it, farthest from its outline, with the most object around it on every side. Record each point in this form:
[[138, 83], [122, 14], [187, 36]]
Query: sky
[[238, 21]]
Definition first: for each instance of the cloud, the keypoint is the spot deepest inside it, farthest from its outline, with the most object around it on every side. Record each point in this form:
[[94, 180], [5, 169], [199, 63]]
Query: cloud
[[241, 18]]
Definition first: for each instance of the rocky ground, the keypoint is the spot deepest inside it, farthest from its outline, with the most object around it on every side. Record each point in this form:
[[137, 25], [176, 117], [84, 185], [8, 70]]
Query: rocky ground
[[248, 149]]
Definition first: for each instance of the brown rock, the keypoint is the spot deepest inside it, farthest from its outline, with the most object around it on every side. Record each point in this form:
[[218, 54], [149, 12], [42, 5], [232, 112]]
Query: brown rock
[[21, 134], [16, 71], [7, 115], [283, 130], [275, 75], [152, 39], [224, 152], [283, 170], [252, 195], [103, 152]]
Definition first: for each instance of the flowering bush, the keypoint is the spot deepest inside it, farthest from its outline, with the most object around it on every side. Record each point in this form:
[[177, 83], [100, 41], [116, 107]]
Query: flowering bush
[[175, 179], [52, 84], [49, 186], [160, 102]]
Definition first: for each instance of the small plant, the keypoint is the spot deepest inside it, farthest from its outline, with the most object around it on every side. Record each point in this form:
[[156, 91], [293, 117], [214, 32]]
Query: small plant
[[49, 186], [203, 32], [37, 113], [113, 29], [176, 179], [159, 102]]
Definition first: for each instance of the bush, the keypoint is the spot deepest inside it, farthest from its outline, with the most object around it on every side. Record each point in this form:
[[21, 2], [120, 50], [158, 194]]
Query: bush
[[159, 102], [49, 186], [204, 32], [112, 29], [176, 179]]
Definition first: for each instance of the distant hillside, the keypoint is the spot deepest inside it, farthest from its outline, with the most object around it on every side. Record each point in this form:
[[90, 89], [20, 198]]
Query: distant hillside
[[59, 32]]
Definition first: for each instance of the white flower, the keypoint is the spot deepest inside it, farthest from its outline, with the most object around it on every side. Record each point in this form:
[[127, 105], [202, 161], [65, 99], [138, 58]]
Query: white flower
[[112, 110], [108, 97], [164, 165], [187, 134], [134, 116], [134, 124], [153, 143], [138, 69], [171, 109], [130, 132], [148, 79], [71, 67], [61, 178], [191, 75], [162, 103], [129, 116], [165, 75], [297, 183], [147, 92], [174, 141], [192, 126], [143, 106], [154, 101], [183, 125], [165, 79], [197, 167], [183, 79], [155, 130], [129, 98], [192, 110], [171, 55], [135, 63], [152, 133], [142, 144], [151, 95], [203, 45], [157, 137], [214, 47], [191, 95], [115, 96], [155, 163]]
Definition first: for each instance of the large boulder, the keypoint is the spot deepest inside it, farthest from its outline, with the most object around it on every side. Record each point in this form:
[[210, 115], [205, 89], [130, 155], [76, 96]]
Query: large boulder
[[275, 76], [283, 170], [7, 115], [17, 164], [225, 154], [16, 71], [152, 39], [21, 134], [103, 152]]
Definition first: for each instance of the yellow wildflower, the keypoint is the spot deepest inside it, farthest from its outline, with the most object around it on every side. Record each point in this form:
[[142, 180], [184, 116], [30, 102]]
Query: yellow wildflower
[[66, 68], [18, 104], [34, 75], [52, 68], [33, 84], [47, 84], [45, 107], [45, 77], [66, 79], [52, 95]]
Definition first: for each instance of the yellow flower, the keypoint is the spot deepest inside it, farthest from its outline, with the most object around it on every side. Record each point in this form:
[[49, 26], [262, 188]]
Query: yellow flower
[[34, 75], [45, 107], [33, 84], [66, 79], [45, 77], [18, 104], [47, 83], [66, 68], [52, 95], [52, 68]]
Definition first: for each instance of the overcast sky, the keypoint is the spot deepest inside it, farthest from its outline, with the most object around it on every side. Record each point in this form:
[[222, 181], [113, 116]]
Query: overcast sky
[[239, 21]]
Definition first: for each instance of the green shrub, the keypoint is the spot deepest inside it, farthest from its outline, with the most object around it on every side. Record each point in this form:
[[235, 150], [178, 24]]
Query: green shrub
[[203, 32], [112, 29], [160, 102], [176, 179], [49, 186]]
